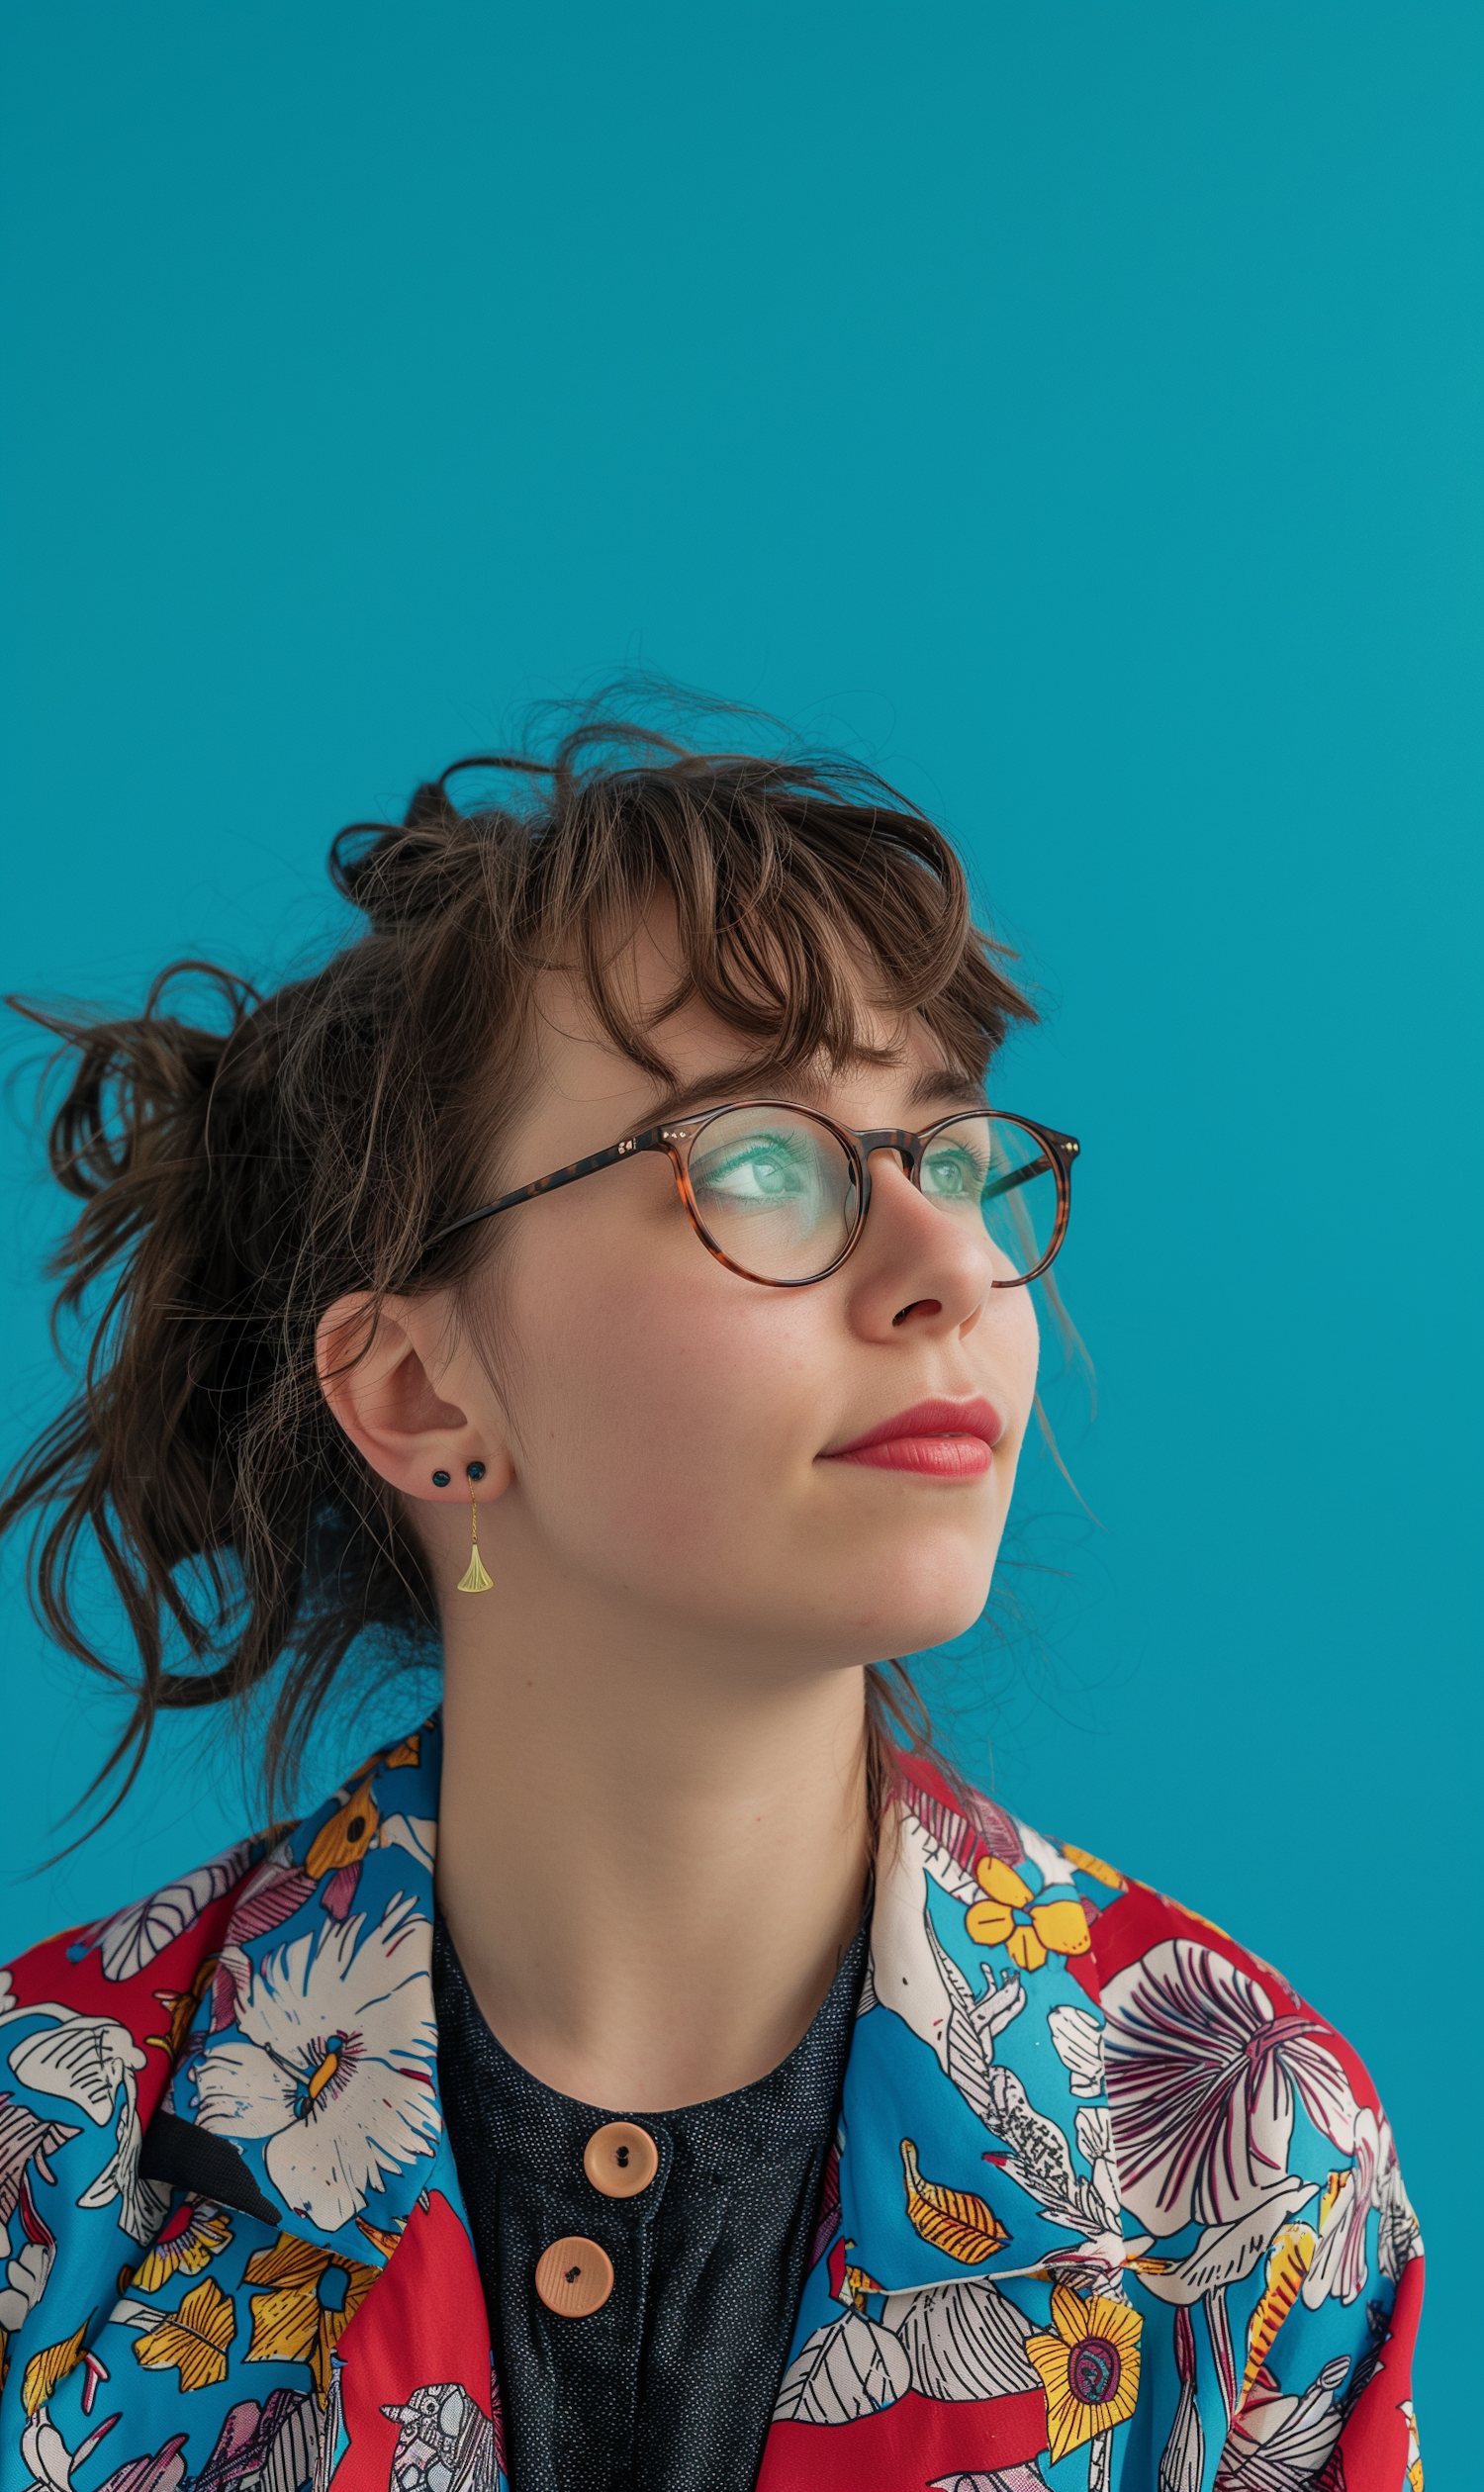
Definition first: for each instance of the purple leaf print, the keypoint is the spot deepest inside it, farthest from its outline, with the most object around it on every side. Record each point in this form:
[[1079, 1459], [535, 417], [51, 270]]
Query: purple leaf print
[[827, 2221], [992, 1830], [1184, 2461], [339, 1891], [271, 2447], [24, 2140], [163, 2472], [273, 1893]]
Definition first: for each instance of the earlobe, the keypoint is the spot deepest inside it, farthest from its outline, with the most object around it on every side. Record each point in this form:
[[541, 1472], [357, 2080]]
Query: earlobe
[[374, 1373]]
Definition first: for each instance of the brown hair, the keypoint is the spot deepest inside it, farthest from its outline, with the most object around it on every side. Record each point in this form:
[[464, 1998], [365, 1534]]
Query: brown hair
[[240, 1171]]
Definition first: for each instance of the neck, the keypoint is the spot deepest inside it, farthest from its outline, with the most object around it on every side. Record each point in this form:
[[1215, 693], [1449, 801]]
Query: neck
[[651, 1858]]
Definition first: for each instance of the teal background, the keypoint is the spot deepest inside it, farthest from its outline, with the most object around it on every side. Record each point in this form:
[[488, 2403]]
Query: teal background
[[1076, 409]]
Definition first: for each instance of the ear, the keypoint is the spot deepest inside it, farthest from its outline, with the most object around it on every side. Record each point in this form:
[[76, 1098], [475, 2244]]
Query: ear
[[383, 1376]]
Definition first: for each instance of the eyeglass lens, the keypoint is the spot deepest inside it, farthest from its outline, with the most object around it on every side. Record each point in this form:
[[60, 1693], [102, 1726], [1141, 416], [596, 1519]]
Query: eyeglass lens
[[776, 1191]]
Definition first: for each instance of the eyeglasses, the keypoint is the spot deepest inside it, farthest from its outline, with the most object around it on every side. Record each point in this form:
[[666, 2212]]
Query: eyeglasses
[[780, 1194]]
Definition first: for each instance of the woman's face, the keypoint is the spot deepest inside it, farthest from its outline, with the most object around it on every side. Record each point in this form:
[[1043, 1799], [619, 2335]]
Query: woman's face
[[676, 1432]]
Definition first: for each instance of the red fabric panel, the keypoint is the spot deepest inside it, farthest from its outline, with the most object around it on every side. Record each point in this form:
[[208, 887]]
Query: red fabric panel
[[1373, 2443], [143, 2006], [908, 2443], [422, 2325]]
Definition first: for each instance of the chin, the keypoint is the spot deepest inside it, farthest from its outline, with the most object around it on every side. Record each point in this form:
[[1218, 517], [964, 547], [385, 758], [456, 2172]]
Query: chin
[[935, 1603]]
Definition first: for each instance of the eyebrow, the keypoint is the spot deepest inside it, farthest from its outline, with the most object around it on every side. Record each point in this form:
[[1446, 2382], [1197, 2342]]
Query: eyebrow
[[942, 1085]]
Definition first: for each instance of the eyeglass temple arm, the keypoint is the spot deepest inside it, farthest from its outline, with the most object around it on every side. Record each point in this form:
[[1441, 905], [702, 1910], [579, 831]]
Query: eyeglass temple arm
[[654, 1139], [1017, 1177]]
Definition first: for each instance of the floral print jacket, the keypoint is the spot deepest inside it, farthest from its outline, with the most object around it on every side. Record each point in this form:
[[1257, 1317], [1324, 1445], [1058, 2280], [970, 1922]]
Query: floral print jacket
[[1111, 2210]]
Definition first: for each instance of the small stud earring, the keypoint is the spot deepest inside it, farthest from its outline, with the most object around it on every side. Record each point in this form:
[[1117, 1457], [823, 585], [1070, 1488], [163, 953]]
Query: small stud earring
[[441, 1479], [475, 1578]]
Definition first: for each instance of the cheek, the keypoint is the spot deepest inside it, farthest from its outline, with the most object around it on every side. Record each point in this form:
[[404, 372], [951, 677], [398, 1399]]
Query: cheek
[[655, 1397], [1016, 1339]]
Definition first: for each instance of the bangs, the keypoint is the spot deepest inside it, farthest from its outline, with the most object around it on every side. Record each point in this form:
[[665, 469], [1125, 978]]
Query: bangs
[[806, 896]]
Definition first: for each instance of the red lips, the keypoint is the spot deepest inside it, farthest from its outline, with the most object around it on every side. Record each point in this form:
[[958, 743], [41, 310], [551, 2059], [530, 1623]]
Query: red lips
[[945, 1441]]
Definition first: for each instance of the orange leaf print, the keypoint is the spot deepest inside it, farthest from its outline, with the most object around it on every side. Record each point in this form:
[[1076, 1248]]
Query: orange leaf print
[[346, 1836], [47, 2368], [194, 2339], [1095, 1868], [181, 2005], [377, 2235], [1288, 2263], [955, 2221]]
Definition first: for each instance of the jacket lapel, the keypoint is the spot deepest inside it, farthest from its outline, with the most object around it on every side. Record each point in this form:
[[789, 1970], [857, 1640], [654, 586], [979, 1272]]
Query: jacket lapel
[[974, 2167], [307, 2088]]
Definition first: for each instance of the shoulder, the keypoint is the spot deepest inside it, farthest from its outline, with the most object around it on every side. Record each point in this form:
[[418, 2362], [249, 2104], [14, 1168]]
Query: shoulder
[[137, 1967], [1266, 2236], [1166, 1979], [1177, 1991], [164, 1946]]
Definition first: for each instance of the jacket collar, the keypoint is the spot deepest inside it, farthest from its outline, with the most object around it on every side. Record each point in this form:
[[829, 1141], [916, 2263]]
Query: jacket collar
[[312, 2055]]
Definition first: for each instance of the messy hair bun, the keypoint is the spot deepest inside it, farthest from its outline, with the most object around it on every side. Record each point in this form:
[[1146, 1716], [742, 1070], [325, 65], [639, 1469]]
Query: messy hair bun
[[242, 1161]]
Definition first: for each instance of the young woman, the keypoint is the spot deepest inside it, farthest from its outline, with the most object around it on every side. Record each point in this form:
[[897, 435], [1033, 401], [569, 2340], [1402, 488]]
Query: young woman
[[656, 2071]]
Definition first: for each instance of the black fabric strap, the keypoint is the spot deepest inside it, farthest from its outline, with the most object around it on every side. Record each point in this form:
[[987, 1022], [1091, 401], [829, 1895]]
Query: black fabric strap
[[210, 2166]]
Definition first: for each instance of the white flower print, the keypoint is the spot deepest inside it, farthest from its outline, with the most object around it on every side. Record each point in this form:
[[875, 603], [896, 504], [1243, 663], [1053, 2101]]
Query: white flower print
[[416, 1835], [1203, 2075], [50, 2463], [28, 2272], [1280, 2443], [83, 2058], [1338, 2265], [848, 2368], [1226, 2252], [1400, 2236], [1078, 2040], [335, 2063], [906, 1960], [93, 2062]]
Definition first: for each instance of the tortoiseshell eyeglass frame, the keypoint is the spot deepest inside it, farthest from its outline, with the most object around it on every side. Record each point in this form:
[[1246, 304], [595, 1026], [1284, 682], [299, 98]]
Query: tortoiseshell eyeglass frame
[[677, 1139]]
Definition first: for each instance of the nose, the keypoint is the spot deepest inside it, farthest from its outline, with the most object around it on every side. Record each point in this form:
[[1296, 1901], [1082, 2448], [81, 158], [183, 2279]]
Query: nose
[[916, 1266]]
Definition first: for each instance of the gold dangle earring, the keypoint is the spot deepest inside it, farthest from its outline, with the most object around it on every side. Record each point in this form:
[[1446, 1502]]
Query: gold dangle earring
[[476, 1580]]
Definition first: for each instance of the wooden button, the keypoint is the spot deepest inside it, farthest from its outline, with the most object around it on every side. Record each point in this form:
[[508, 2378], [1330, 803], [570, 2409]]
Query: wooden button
[[573, 2277], [620, 2159]]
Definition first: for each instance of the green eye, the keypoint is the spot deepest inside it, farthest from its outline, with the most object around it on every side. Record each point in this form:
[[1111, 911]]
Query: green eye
[[765, 1169], [954, 1174]]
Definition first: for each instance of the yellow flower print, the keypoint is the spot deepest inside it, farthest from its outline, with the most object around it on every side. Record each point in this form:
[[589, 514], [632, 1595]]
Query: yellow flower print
[[1013, 1916], [1414, 2475], [197, 2232], [193, 2340], [1091, 2368], [314, 2295]]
